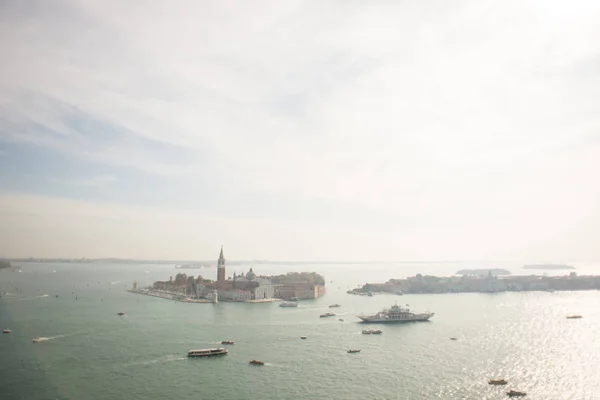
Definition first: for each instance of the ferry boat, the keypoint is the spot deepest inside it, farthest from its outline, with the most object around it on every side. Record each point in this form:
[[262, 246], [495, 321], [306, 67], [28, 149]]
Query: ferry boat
[[256, 362], [207, 352], [395, 314], [288, 304]]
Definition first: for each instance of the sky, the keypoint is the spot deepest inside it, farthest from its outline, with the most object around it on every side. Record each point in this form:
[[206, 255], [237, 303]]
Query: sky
[[300, 130]]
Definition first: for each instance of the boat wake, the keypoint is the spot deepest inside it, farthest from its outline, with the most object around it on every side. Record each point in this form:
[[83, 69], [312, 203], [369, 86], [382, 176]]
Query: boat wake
[[160, 360], [33, 298], [45, 339]]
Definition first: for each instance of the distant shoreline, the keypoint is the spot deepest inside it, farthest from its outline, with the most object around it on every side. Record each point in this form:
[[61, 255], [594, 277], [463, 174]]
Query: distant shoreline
[[548, 266]]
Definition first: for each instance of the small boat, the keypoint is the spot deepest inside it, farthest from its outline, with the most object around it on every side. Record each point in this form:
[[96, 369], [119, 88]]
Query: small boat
[[295, 299], [334, 306], [574, 317], [256, 362], [497, 382], [341, 319], [5, 330], [37, 340], [207, 352], [354, 351], [288, 304], [302, 337], [453, 338], [121, 313], [326, 315], [372, 332], [514, 393], [227, 342]]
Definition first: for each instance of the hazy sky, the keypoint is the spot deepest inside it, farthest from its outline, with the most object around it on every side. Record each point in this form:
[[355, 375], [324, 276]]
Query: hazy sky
[[300, 130]]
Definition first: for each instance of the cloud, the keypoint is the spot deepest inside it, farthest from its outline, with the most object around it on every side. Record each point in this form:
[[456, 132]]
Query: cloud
[[394, 118]]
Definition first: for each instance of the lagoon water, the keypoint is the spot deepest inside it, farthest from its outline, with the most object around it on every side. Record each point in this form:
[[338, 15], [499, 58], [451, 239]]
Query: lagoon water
[[91, 353]]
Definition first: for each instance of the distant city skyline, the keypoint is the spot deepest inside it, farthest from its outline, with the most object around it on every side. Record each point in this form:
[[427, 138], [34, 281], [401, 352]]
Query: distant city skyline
[[298, 130]]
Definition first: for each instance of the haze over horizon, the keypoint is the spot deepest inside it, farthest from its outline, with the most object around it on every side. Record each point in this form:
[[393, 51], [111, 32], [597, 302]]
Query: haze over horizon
[[297, 130]]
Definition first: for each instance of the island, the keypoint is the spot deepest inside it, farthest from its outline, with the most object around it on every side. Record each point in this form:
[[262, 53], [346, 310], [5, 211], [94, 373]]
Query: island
[[548, 266], [480, 284], [483, 272], [248, 287]]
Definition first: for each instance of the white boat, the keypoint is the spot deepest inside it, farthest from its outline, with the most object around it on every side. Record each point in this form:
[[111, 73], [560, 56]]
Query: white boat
[[395, 314], [207, 352], [288, 304]]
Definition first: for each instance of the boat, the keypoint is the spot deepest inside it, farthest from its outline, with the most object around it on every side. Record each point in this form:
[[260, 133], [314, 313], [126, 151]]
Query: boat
[[207, 352], [497, 382], [341, 319], [295, 299], [227, 342], [372, 332], [288, 304], [37, 340], [395, 314], [574, 317], [5, 330], [334, 306], [326, 315], [354, 351], [453, 338], [121, 313], [256, 362], [302, 337], [514, 393]]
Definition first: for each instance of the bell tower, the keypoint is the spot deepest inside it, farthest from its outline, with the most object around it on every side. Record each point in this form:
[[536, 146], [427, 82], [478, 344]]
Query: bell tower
[[221, 267]]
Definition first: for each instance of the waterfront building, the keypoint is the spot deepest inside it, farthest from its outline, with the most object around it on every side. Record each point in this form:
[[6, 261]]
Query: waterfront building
[[259, 288]]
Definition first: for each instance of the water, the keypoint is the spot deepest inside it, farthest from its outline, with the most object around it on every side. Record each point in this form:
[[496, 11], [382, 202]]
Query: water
[[91, 353]]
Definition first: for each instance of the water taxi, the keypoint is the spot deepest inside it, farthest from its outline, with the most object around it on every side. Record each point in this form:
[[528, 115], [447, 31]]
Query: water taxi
[[326, 315], [256, 362], [207, 352]]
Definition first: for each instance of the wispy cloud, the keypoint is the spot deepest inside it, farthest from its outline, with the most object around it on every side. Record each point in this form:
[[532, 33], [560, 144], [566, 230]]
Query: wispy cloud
[[399, 119]]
